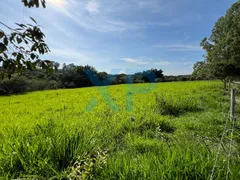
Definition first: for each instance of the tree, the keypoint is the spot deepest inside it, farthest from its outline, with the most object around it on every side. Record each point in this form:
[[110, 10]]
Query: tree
[[86, 76], [202, 71], [20, 49], [223, 46], [56, 66], [152, 75], [32, 3], [102, 75]]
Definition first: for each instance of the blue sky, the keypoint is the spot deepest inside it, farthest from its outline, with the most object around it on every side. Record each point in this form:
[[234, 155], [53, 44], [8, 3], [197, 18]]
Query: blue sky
[[123, 35]]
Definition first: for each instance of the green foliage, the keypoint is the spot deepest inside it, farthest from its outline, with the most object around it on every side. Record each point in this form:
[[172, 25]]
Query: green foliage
[[32, 3], [28, 82], [151, 75], [176, 78], [222, 47], [38, 85], [15, 85], [20, 49], [72, 76], [202, 71]]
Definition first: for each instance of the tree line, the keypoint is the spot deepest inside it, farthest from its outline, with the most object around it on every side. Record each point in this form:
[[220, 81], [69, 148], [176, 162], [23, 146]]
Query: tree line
[[71, 76]]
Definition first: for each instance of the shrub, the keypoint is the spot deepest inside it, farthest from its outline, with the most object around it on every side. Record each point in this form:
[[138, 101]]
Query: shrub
[[38, 84], [21, 84], [15, 85]]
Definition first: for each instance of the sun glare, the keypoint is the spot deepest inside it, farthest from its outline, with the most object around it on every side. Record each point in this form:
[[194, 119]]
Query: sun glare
[[57, 2]]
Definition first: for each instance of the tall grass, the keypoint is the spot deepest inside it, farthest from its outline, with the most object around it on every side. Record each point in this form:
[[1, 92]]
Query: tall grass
[[48, 135], [176, 106]]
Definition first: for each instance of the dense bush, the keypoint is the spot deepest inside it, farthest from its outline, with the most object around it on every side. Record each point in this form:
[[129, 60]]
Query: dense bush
[[177, 78], [38, 85], [13, 86], [21, 84]]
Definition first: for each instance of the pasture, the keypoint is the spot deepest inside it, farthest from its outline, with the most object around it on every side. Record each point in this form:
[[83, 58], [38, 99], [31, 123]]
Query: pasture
[[177, 130]]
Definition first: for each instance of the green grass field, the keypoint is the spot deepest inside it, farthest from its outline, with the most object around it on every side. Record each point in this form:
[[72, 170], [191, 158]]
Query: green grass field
[[175, 130]]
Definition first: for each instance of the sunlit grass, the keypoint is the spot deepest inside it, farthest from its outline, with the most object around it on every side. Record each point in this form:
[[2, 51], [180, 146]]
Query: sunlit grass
[[171, 131]]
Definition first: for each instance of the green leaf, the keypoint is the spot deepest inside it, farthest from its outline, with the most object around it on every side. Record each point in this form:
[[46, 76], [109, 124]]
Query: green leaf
[[1, 34], [21, 25], [33, 20], [37, 4], [19, 40], [5, 41], [5, 55], [32, 56], [18, 29], [19, 57], [43, 4], [2, 48], [11, 38], [34, 47]]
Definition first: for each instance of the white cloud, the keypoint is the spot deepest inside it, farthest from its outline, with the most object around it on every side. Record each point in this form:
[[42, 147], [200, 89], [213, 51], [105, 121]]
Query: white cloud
[[108, 24], [78, 57], [163, 63], [86, 14], [140, 60], [92, 7], [180, 47], [145, 60]]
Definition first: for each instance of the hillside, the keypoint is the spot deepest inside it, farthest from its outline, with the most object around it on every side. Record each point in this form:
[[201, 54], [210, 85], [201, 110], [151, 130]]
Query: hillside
[[177, 130]]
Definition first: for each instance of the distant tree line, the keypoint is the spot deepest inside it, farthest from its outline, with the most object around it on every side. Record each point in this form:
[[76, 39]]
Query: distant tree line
[[71, 76]]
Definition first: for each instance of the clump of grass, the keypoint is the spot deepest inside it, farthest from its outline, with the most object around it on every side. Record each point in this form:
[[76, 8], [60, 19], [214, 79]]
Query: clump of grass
[[162, 126], [86, 167], [45, 152], [176, 106], [149, 159]]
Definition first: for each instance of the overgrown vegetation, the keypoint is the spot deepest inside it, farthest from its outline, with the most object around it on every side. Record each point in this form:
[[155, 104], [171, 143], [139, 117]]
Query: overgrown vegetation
[[53, 136], [73, 76]]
